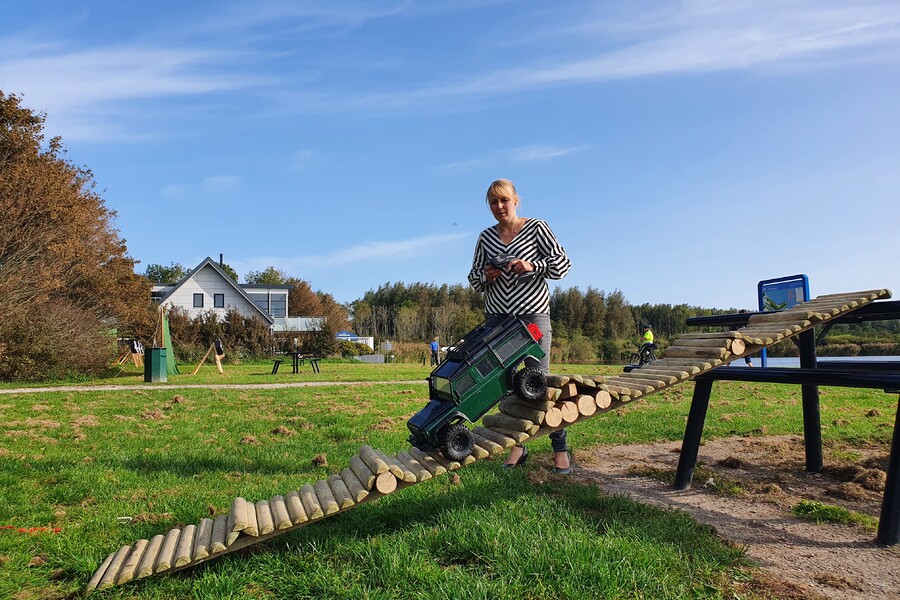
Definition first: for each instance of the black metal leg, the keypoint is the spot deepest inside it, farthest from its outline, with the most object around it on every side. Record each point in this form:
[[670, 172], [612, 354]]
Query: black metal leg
[[812, 421], [889, 524], [690, 446]]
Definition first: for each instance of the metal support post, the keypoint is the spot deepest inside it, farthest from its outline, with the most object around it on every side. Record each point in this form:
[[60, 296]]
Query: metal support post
[[690, 446], [889, 524], [812, 422]]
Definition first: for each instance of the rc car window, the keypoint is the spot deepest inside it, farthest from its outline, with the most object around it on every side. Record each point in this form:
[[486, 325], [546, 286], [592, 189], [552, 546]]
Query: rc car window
[[486, 365], [463, 383], [442, 384], [447, 369], [512, 345]]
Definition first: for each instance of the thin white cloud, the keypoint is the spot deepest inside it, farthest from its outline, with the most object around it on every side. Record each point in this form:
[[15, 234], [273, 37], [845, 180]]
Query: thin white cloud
[[117, 73], [302, 159], [689, 38], [541, 153], [365, 252], [99, 93], [104, 90], [221, 183], [522, 154], [292, 18], [463, 164], [178, 191], [214, 186]]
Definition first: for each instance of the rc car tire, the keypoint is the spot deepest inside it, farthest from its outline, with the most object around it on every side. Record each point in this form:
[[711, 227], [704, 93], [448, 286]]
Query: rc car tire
[[530, 384], [456, 442]]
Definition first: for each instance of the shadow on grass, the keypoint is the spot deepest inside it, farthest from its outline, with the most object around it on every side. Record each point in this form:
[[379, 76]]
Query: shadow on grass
[[484, 485], [188, 466]]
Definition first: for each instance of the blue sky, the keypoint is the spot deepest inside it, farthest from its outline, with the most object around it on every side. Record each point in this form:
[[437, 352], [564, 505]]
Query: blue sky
[[681, 151]]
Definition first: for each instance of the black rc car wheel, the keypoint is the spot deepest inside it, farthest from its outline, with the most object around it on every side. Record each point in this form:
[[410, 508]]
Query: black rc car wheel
[[456, 442], [530, 384]]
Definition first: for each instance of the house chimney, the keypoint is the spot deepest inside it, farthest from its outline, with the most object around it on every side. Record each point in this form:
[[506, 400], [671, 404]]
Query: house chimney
[[221, 260]]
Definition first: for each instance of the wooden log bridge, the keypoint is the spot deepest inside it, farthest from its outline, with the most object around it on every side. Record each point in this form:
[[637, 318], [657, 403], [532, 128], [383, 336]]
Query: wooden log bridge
[[373, 474]]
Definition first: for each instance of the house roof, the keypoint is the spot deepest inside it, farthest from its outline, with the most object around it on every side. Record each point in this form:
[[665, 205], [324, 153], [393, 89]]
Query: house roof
[[345, 333], [262, 286], [210, 262]]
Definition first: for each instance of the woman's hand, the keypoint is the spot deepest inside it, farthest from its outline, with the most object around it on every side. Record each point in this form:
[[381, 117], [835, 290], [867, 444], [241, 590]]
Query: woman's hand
[[491, 273], [516, 267], [520, 266]]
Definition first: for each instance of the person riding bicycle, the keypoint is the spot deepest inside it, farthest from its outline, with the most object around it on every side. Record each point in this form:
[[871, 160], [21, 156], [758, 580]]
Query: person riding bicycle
[[647, 345]]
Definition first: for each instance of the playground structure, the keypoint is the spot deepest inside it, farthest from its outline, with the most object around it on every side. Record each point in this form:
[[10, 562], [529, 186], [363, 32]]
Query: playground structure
[[216, 347], [131, 350], [569, 399]]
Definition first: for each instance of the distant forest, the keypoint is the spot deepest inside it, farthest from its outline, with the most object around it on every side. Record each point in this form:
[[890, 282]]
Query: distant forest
[[588, 325]]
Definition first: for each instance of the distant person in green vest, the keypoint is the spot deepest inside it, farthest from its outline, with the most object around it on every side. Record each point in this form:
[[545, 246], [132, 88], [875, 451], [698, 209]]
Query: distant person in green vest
[[648, 335], [647, 341]]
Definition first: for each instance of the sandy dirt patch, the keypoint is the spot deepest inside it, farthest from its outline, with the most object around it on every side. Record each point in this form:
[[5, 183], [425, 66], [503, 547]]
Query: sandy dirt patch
[[798, 558]]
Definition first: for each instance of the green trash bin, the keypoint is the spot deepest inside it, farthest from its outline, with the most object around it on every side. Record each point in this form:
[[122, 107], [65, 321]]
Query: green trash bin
[[155, 365]]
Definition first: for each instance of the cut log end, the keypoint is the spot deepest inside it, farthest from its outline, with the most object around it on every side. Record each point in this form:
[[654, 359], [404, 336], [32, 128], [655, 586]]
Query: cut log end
[[386, 482]]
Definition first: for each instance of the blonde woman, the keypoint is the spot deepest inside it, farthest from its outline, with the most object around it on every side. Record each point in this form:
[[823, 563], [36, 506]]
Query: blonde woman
[[507, 293]]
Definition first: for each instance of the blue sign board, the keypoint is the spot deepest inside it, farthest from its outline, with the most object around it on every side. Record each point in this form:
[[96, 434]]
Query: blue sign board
[[781, 293]]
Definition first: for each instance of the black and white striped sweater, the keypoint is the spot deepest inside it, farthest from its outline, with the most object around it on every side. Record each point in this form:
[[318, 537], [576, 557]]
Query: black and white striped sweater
[[534, 243]]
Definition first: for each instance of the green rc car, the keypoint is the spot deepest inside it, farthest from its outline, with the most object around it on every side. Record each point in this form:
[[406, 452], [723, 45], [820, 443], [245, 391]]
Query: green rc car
[[475, 375]]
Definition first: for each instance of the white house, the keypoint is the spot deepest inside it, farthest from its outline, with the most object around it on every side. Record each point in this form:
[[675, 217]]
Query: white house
[[209, 288], [349, 336]]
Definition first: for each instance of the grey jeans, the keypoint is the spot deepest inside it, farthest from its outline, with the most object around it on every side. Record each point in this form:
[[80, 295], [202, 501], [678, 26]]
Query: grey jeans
[[558, 439]]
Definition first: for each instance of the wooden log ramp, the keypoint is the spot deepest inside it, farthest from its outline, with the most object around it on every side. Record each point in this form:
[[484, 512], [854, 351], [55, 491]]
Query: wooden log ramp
[[373, 474]]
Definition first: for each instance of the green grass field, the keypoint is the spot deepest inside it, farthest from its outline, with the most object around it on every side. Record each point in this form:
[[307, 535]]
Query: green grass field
[[164, 458], [259, 372]]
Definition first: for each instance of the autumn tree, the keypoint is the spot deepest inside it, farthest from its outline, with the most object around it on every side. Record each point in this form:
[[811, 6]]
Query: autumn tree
[[302, 300], [334, 312], [66, 279]]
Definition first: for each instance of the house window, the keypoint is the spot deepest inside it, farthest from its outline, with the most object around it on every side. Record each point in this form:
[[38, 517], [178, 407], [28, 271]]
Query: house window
[[219, 300], [261, 301], [198, 300], [279, 305]]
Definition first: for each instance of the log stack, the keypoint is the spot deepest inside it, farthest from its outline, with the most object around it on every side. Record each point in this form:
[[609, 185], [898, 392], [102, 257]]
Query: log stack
[[373, 473]]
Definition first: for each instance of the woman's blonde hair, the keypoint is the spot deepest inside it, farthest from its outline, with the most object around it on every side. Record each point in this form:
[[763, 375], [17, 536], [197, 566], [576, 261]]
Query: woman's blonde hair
[[504, 188]]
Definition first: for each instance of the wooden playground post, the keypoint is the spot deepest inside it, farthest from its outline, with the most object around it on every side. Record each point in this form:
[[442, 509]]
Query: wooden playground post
[[203, 360], [135, 352], [220, 354]]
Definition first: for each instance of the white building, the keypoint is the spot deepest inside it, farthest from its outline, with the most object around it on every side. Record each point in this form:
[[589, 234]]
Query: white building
[[349, 336], [209, 288]]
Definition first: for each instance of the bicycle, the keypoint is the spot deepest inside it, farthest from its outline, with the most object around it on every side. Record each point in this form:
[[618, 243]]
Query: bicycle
[[644, 355]]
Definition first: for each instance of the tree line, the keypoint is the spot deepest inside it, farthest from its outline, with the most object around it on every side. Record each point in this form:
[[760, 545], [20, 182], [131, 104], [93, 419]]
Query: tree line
[[587, 324]]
